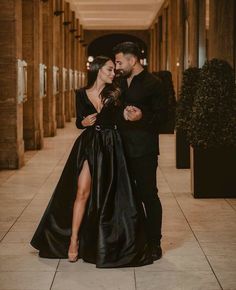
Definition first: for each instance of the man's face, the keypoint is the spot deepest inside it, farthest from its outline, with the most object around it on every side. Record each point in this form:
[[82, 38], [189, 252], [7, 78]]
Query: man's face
[[124, 64]]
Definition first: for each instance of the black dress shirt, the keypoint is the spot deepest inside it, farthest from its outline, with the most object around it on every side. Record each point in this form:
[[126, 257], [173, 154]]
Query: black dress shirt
[[145, 92]]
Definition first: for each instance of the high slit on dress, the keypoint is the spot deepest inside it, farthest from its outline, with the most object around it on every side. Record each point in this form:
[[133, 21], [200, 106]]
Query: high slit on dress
[[112, 232]]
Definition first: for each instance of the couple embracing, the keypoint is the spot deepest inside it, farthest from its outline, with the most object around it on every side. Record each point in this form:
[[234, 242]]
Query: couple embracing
[[105, 208]]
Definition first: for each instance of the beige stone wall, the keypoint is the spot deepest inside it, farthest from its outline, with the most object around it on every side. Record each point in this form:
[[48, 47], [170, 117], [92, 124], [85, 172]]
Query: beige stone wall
[[185, 40], [49, 100], [32, 54], [31, 31], [11, 131]]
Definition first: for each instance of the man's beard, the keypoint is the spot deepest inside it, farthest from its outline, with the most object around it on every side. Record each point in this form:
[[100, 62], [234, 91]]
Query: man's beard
[[122, 73]]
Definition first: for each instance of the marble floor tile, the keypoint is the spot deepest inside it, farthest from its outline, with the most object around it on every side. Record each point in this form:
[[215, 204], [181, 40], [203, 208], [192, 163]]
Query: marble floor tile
[[185, 249], [45, 193], [174, 225], [218, 248], [218, 226], [31, 214], [18, 191], [178, 237], [18, 237], [7, 218], [232, 202], [227, 279], [10, 211], [189, 280], [10, 202], [168, 262], [26, 263], [220, 217], [99, 279], [196, 232], [21, 226], [2, 234], [5, 226], [43, 202], [223, 263], [16, 249], [26, 280], [212, 236], [81, 266]]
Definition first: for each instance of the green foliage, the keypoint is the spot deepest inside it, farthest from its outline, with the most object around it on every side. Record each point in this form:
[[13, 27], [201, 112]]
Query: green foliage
[[188, 91], [213, 114]]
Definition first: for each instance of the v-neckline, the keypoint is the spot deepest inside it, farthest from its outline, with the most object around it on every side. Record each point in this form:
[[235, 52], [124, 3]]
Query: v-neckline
[[86, 94]]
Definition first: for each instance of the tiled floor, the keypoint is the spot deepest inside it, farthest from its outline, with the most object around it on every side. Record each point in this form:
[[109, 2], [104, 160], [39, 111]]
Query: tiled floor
[[199, 235]]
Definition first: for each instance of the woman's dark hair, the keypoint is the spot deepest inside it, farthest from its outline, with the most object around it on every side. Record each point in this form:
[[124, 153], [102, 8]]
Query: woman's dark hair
[[111, 92], [127, 47]]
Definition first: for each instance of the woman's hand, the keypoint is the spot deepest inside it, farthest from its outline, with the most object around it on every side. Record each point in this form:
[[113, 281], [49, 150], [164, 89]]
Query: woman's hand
[[89, 120]]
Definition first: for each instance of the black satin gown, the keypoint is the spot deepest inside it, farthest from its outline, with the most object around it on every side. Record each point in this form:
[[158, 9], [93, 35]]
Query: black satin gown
[[113, 232]]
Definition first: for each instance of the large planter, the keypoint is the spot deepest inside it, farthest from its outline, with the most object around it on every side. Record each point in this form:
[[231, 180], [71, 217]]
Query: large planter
[[182, 150], [213, 172]]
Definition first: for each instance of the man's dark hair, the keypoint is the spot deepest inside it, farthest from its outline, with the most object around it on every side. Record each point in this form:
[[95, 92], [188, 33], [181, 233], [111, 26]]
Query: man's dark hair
[[127, 47]]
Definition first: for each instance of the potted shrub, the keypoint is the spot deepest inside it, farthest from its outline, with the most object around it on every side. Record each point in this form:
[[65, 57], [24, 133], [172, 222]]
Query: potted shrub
[[212, 132], [183, 115], [166, 77]]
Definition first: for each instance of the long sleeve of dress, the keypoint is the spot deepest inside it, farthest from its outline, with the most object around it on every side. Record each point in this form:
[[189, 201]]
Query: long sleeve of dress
[[80, 109]]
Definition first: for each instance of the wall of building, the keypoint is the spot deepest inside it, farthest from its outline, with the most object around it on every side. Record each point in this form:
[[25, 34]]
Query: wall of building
[[42, 61], [43, 56], [186, 33]]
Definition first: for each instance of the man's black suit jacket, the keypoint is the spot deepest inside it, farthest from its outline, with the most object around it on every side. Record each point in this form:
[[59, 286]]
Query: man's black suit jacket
[[145, 92]]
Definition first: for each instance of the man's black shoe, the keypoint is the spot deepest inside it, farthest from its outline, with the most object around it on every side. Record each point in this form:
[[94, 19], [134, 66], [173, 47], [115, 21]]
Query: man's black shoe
[[156, 252]]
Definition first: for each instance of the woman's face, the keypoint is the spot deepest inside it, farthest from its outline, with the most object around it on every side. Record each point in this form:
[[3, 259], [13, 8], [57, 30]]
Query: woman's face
[[107, 72]]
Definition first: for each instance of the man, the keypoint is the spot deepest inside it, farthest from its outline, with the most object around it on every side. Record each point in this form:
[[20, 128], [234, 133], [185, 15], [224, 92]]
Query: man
[[145, 109]]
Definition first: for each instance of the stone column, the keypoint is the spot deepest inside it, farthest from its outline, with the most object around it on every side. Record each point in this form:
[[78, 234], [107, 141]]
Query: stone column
[[58, 54], [11, 108], [164, 38], [193, 33], [158, 65], [221, 30], [173, 41], [32, 53], [67, 59], [83, 57], [154, 54], [74, 32], [81, 49], [150, 60], [201, 32], [49, 101], [180, 43]]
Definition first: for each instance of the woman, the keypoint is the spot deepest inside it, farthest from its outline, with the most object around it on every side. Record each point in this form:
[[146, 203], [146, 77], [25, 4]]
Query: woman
[[93, 213]]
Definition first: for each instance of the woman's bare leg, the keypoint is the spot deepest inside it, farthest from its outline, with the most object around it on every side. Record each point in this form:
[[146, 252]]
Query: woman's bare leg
[[83, 191]]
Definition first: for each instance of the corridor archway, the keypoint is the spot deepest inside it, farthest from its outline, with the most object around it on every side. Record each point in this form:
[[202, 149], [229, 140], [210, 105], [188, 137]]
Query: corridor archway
[[103, 45]]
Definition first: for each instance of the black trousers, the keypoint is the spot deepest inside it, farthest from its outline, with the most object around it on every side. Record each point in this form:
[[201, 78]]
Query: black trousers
[[142, 171]]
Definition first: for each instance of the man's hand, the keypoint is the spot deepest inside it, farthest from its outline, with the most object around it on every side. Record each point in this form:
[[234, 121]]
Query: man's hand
[[132, 113]]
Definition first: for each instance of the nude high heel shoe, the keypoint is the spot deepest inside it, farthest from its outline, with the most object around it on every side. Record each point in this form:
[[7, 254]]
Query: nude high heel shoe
[[73, 256]]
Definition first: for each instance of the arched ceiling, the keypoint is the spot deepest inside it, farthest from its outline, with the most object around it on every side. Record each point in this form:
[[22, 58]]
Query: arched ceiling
[[116, 14]]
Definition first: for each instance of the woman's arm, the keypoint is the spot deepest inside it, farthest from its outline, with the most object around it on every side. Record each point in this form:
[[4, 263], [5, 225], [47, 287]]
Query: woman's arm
[[80, 107], [83, 120]]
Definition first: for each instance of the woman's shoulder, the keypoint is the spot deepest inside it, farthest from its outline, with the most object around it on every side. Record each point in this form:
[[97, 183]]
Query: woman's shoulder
[[80, 91]]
